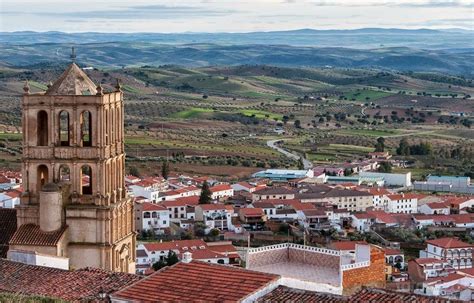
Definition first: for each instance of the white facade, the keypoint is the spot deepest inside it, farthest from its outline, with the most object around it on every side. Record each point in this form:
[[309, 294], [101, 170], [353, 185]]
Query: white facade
[[428, 209], [458, 258], [8, 200], [362, 223], [402, 204], [155, 219], [222, 194], [403, 180], [148, 192], [34, 258], [219, 218]]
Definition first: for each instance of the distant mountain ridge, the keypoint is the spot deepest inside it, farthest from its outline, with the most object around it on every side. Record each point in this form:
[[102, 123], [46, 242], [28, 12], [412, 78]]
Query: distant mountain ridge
[[364, 38], [121, 54]]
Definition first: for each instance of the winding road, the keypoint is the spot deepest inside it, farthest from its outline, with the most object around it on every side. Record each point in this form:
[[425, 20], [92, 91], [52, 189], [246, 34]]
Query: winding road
[[273, 144]]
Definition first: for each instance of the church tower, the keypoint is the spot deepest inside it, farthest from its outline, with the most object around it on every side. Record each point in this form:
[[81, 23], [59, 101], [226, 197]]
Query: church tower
[[74, 204]]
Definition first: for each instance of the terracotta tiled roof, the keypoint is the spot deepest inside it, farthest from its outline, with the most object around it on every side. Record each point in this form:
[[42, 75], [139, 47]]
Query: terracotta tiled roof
[[220, 187], [346, 245], [392, 251], [184, 201], [251, 212], [31, 234], [423, 261], [366, 295], [77, 285], [147, 206], [285, 294], [437, 205], [449, 243], [7, 229], [275, 191], [389, 296], [188, 282]]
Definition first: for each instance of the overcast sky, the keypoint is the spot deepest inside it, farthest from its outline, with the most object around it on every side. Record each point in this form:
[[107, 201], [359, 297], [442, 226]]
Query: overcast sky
[[230, 16]]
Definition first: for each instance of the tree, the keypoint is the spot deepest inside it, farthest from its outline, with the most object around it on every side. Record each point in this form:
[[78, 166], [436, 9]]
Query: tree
[[385, 167], [297, 123], [159, 265], [380, 145], [214, 232], [165, 170], [133, 170], [206, 194], [172, 258], [403, 148]]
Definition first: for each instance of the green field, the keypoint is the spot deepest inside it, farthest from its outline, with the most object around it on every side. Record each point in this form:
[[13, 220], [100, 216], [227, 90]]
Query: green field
[[261, 114], [191, 113], [369, 132], [362, 95]]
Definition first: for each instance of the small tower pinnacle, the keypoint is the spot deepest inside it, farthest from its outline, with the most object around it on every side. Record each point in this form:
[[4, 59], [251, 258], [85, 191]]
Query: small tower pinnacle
[[118, 86], [73, 55], [26, 88]]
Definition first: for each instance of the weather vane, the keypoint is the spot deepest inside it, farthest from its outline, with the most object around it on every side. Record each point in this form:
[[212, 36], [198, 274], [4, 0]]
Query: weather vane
[[73, 55]]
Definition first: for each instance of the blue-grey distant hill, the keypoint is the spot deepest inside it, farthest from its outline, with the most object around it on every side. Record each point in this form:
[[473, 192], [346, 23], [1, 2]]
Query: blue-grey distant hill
[[359, 38], [449, 51]]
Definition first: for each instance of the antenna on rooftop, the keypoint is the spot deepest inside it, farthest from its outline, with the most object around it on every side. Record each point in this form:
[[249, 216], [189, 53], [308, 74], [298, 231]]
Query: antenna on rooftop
[[73, 55]]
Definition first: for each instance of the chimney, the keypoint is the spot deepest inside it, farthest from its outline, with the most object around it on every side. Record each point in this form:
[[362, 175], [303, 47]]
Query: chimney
[[187, 257]]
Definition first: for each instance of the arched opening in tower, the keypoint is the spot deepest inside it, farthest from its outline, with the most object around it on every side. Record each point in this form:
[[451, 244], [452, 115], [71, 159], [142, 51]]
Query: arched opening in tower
[[42, 176], [86, 180], [64, 137], [64, 173], [86, 128], [42, 128]]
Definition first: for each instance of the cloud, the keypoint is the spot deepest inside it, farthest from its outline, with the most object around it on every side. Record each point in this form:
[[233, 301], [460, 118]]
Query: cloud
[[155, 11]]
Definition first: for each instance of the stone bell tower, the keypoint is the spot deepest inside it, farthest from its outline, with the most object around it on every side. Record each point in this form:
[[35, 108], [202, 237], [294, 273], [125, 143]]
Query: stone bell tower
[[74, 200]]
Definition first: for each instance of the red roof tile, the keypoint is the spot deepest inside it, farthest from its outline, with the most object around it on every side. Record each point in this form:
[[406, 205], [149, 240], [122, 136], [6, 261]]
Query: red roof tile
[[31, 234], [186, 282], [449, 243], [147, 206], [7, 229], [251, 212], [184, 201], [80, 285], [345, 245], [220, 187]]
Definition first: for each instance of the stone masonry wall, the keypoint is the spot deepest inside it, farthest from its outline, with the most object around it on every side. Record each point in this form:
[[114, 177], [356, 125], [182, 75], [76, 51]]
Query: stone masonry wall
[[267, 257], [314, 258]]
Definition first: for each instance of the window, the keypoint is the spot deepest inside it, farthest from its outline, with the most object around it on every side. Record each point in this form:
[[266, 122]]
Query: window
[[42, 176], [42, 128], [146, 215], [64, 173], [86, 180], [64, 128], [86, 128]]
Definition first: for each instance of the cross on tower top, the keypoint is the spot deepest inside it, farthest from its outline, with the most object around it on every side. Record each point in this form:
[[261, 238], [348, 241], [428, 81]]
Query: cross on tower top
[[73, 55]]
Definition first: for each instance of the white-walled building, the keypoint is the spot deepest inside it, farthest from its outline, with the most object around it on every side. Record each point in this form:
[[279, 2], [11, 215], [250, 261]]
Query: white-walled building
[[215, 216], [9, 199], [402, 180], [434, 208], [402, 203], [456, 252], [151, 216], [221, 192], [178, 207]]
